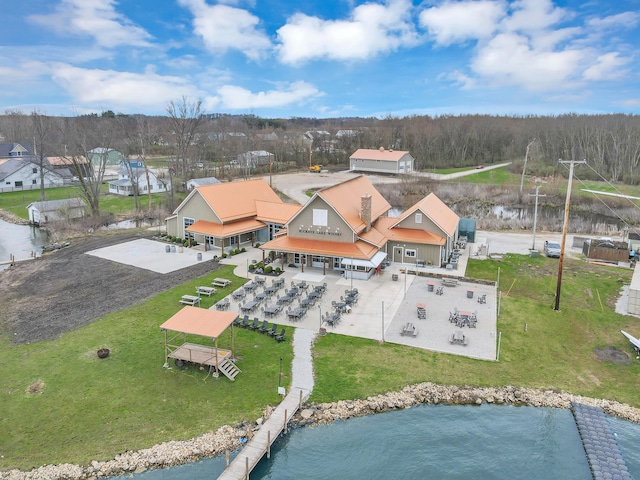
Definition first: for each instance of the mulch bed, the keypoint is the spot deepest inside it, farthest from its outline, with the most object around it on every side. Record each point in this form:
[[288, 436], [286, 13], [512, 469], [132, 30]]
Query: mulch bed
[[66, 289]]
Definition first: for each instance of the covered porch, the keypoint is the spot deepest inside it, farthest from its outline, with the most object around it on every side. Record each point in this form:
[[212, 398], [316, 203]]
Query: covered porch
[[226, 237]]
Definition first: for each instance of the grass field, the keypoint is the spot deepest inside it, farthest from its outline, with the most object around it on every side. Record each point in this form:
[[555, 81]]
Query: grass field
[[17, 202], [85, 408]]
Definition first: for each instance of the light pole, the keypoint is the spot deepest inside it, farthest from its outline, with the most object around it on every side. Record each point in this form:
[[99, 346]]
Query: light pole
[[320, 308]]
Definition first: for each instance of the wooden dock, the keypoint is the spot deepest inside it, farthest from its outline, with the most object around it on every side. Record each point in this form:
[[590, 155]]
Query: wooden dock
[[260, 443]]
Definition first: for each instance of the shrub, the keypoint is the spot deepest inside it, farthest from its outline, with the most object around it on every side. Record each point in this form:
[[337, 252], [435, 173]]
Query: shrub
[[243, 250], [268, 269], [252, 266], [224, 255], [278, 269], [257, 245]]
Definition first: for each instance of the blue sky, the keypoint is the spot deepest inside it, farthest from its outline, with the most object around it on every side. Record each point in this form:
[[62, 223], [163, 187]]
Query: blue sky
[[323, 58]]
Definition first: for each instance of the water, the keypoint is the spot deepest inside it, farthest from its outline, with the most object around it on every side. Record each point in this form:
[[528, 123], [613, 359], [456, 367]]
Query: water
[[430, 441], [20, 240]]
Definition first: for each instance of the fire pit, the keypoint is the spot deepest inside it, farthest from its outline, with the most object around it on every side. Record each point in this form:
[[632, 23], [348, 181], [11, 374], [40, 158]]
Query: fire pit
[[103, 353]]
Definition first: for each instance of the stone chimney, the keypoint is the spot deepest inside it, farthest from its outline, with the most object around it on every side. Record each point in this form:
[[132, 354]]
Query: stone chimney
[[365, 210]]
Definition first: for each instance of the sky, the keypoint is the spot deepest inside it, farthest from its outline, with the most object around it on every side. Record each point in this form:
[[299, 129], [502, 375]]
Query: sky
[[321, 58]]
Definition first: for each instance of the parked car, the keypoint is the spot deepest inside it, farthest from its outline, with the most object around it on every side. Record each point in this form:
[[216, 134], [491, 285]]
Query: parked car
[[552, 249]]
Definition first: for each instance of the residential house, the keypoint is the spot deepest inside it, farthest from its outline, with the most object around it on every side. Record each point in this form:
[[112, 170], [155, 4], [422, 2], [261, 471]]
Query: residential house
[[56, 210], [231, 215], [71, 169], [105, 156], [15, 151], [255, 158], [132, 177], [345, 227], [201, 182], [23, 173], [381, 161]]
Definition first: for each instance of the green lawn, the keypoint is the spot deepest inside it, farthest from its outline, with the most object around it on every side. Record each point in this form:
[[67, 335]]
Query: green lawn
[[92, 408], [17, 202], [496, 176], [556, 351]]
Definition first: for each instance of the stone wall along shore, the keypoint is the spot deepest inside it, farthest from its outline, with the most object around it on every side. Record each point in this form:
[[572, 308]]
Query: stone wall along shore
[[228, 438]]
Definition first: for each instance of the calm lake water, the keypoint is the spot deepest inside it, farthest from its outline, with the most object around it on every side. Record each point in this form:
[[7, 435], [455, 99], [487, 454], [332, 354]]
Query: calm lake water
[[430, 441], [20, 240]]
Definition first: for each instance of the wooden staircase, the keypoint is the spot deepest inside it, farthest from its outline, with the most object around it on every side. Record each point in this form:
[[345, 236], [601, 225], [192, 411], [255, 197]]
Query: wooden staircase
[[229, 369]]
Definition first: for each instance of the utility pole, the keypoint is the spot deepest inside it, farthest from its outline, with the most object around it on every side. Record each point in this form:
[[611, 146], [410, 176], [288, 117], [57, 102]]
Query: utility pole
[[526, 156], [564, 229], [535, 215]]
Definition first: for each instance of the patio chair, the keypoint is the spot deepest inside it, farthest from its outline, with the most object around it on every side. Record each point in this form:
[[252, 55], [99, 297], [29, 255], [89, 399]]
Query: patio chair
[[245, 322], [265, 327], [280, 336], [273, 331], [237, 322], [255, 324]]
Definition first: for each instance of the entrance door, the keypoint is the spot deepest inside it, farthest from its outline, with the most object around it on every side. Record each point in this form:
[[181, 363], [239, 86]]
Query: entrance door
[[398, 254]]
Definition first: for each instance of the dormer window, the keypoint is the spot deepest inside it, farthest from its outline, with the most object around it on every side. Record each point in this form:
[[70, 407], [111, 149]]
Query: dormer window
[[418, 218]]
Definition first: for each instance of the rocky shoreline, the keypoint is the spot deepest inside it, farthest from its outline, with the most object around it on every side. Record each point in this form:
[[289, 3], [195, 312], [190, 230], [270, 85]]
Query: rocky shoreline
[[228, 438]]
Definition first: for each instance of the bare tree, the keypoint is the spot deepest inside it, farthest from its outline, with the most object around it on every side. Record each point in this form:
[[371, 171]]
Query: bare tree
[[185, 119], [42, 129]]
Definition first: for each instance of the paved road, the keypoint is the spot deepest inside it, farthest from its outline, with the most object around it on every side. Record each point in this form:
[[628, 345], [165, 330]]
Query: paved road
[[295, 185]]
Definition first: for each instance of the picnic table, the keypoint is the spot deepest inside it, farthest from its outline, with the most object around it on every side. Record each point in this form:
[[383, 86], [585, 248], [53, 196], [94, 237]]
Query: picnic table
[[409, 329], [271, 310], [190, 300], [449, 282], [203, 290], [221, 282], [249, 306], [296, 313]]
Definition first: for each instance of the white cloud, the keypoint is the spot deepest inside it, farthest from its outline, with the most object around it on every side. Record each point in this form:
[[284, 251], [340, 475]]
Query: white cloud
[[372, 29], [238, 98], [607, 67], [224, 28], [461, 21], [624, 20], [97, 19], [533, 16], [119, 90]]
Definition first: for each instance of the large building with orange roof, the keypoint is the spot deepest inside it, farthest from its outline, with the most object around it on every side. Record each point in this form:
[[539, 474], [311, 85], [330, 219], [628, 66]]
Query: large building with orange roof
[[344, 227]]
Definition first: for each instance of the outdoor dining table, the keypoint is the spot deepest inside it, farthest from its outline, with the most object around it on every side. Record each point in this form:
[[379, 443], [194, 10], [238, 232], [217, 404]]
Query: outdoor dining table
[[296, 313], [285, 299], [333, 319], [271, 290], [458, 338], [249, 287], [260, 296], [222, 304], [190, 300], [259, 280], [352, 293], [315, 294], [342, 306], [238, 294], [249, 306], [271, 310], [278, 282], [307, 302], [293, 291]]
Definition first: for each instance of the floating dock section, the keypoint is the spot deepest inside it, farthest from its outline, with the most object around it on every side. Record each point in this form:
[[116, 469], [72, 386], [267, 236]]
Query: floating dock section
[[603, 454]]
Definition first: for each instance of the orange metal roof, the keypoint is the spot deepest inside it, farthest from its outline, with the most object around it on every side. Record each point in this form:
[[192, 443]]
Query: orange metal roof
[[200, 321], [380, 154], [435, 209], [236, 200], [276, 212], [374, 236], [387, 226], [224, 230], [346, 199], [359, 249]]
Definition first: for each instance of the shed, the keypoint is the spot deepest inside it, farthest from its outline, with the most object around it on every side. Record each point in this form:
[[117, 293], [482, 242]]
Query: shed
[[56, 210], [467, 228], [206, 323]]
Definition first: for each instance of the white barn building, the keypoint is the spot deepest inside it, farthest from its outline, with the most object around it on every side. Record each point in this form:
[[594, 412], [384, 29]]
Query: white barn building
[[381, 161]]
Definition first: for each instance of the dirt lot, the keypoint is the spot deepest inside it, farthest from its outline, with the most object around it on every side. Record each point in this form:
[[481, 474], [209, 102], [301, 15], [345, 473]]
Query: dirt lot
[[67, 289]]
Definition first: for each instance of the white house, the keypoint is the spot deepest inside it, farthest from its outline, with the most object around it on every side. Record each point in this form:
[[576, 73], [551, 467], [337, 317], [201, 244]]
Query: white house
[[201, 182], [381, 161], [135, 177], [56, 210], [255, 158], [24, 174]]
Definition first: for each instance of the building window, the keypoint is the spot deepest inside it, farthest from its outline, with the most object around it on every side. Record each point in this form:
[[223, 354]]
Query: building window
[[34, 182], [187, 222], [18, 184], [418, 218], [410, 253], [35, 170]]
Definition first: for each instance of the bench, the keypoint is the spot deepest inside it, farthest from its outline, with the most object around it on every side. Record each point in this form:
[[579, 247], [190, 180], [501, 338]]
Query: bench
[[409, 329], [221, 282], [449, 282], [203, 290]]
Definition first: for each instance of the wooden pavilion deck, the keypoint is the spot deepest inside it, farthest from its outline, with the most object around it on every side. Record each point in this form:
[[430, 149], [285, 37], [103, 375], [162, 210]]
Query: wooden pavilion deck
[[261, 442]]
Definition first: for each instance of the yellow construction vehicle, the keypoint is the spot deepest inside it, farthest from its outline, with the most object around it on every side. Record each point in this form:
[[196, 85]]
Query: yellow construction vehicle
[[315, 168]]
